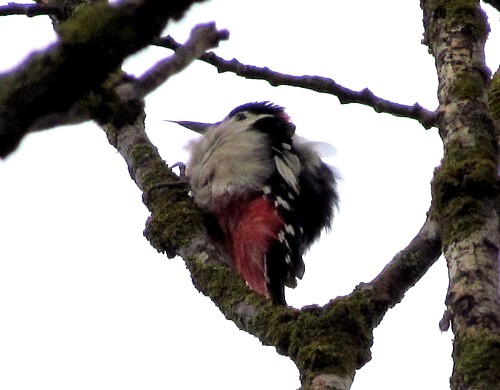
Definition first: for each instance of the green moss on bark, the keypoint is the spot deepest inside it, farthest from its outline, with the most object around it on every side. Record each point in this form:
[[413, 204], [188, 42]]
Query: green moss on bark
[[178, 222], [463, 185], [494, 97], [175, 219], [332, 339], [464, 13], [102, 26], [468, 86], [478, 360], [174, 216], [221, 284]]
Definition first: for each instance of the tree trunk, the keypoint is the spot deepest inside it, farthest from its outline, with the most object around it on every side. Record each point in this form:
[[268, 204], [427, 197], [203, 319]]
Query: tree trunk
[[465, 188]]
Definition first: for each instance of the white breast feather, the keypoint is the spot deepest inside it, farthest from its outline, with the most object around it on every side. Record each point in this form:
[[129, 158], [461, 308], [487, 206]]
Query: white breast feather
[[226, 160]]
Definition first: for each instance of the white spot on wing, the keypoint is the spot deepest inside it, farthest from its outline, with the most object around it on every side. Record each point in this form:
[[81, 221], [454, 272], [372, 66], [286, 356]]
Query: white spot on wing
[[283, 203], [289, 229], [285, 170]]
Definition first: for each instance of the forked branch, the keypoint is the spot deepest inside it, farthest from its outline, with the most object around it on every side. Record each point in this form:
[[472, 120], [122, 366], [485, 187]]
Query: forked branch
[[329, 343]]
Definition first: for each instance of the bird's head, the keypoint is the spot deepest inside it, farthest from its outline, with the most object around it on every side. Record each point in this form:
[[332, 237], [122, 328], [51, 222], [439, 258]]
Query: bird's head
[[264, 117]]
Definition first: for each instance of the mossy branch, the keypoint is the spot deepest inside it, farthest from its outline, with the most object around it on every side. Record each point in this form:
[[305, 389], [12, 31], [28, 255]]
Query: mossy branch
[[93, 43], [329, 343]]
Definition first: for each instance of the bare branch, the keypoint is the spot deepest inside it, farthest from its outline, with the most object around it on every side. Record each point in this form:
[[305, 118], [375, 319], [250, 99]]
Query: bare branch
[[52, 81], [408, 266], [315, 83], [31, 10], [202, 38]]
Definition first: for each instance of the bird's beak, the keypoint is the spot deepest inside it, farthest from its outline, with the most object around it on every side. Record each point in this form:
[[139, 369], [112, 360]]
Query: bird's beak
[[198, 127]]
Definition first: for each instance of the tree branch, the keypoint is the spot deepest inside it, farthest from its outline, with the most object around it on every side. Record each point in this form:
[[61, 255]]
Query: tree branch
[[31, 10], [202, 38], [408, 266], [125, 88], [315, 83], [327, 343], [91, 46]]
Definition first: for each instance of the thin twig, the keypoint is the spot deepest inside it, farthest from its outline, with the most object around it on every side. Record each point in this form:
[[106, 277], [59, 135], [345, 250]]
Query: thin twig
[[315, 83], [202, 38]]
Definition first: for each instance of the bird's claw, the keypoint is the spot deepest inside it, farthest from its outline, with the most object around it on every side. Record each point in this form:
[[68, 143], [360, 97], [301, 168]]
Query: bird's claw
[[182, 169]]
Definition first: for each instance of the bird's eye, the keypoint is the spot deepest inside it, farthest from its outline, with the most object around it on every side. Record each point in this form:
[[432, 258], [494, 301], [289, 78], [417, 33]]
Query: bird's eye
[[240, 116]]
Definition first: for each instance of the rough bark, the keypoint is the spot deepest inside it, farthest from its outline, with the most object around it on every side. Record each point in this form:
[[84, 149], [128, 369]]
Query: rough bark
[[465, 189]]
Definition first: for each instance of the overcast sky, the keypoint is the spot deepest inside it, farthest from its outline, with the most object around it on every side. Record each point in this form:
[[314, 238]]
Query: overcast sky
[[87, 303]]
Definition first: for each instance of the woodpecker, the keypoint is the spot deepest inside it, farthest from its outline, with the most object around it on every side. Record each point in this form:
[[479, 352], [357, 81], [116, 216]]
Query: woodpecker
[[268, 194]]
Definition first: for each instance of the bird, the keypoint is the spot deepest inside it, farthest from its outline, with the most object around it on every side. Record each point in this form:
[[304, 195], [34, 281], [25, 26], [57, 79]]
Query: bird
[[266, 193]]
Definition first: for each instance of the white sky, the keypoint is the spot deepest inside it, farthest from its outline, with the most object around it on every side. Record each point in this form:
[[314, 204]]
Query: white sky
[[87, 303]]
